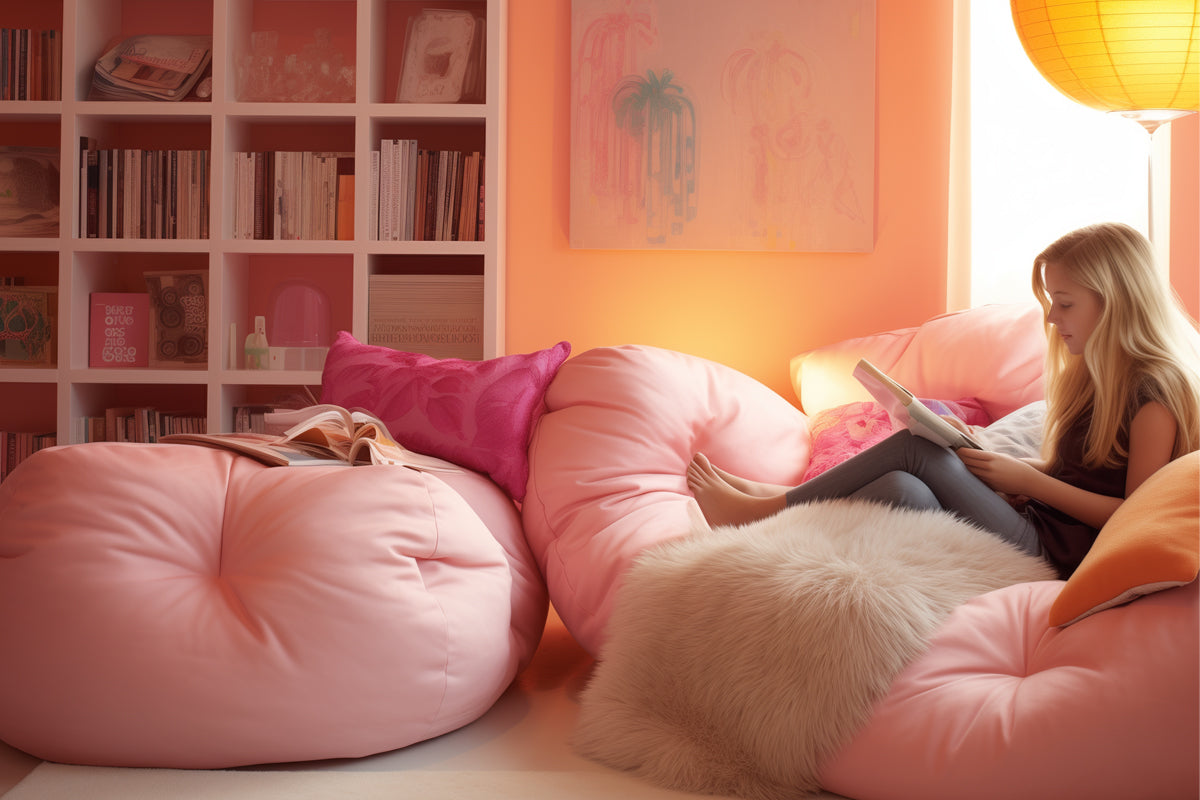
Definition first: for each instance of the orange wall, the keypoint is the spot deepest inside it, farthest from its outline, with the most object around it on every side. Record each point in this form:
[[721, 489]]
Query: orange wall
[[1185, 211], [753, 311]]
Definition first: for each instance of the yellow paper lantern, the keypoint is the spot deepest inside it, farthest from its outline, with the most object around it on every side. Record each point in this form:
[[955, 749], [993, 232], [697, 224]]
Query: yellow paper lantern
[[1116, 55]]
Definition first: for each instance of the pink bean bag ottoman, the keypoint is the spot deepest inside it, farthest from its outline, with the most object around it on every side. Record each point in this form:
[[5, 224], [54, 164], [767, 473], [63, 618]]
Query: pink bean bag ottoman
[[177, 606]]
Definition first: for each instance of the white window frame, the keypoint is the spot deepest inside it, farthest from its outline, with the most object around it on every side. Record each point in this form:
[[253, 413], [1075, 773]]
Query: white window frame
[[1028, 164]]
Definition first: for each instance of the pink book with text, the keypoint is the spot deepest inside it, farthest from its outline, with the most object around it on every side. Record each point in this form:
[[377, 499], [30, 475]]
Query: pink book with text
[[119, 333]]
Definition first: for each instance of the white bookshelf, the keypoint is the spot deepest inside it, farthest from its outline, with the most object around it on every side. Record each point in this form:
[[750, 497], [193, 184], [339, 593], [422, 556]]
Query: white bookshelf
[[240, 272]]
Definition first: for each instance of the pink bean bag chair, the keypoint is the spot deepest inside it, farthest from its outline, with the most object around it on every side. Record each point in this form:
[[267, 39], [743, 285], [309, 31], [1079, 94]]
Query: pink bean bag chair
[[177, 606], [1050, 689]]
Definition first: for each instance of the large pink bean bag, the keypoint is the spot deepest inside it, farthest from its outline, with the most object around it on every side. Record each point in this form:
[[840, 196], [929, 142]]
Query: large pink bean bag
[[1003, 705], [1004, 702], [177, 606], [608, 462]]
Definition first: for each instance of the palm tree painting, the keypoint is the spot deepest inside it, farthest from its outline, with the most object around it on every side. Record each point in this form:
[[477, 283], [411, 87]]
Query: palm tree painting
[[661, 124], [704, 124]]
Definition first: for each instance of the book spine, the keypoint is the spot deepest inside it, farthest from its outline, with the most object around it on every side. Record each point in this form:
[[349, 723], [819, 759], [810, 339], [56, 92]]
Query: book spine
[[260, 209], [240, 231], [154, 192], [483, 184], [456, 200], [146, 182], [344, 224], [419, 189], [268, 194], [431, 195], [306, 187], [84, 145], [22, 68], [373, 199], [277, 195], [102, 195], [93, 193], [387, 168], [173, 197], [118, 157], [183, 192], [410, 191], [4, 85]]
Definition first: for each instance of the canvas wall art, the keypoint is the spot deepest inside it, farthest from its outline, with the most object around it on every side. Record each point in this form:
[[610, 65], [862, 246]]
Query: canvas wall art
[[710, 125]]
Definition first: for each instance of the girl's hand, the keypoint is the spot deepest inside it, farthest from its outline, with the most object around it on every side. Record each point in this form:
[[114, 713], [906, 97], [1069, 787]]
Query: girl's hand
[[1000, 472]]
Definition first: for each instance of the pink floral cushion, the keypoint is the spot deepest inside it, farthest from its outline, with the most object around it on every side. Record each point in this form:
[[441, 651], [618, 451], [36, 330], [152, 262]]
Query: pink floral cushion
[[477, 414], [843, 431]]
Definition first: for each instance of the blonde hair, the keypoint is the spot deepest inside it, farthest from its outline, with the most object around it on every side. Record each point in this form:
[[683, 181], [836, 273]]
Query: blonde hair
[[1143, 345]]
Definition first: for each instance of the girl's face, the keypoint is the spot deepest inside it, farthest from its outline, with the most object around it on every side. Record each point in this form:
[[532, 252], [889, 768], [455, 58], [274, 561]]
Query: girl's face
[[1074, 309]]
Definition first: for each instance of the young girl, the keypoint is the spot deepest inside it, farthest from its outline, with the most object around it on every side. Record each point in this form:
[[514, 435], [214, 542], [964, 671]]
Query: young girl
[[1122, 395]]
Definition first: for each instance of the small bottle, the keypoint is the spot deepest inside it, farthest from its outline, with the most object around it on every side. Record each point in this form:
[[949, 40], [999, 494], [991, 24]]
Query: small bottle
[[256, 345]]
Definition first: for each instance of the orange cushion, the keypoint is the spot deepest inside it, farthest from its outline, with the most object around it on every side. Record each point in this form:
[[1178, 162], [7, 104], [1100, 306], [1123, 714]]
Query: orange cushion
[[1151, 543]]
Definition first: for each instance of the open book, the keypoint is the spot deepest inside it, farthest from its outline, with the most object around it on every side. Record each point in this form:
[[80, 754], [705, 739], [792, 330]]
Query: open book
[[907, 410], [320, 435]]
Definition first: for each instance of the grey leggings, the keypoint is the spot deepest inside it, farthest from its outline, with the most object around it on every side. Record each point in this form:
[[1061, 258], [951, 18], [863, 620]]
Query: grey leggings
[[911, 472]]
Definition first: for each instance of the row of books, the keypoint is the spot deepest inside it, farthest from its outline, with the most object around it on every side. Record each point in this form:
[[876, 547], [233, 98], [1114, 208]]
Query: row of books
[[142, 194], [293, 195], [425, 195], [144, 424], [30, 64], [147, 424], [15, 447]]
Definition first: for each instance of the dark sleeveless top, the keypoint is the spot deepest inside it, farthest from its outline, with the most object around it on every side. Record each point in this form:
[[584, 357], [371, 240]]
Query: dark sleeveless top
[[1065, 539]]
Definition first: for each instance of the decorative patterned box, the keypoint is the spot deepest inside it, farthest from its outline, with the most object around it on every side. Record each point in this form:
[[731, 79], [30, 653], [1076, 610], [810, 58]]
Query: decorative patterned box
[[27, 330], [178, 318]]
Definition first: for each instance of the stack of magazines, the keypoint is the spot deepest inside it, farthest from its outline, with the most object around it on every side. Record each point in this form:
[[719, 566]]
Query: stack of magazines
[[152, 67]]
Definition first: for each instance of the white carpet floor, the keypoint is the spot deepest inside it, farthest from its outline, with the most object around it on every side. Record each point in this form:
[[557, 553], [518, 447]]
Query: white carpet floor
[[517, 751]]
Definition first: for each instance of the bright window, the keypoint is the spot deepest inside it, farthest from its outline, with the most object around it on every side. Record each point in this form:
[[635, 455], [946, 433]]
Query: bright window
[[1041, 164]]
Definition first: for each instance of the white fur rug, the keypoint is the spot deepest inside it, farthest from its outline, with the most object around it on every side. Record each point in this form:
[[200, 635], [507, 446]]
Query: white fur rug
[[738, 659]]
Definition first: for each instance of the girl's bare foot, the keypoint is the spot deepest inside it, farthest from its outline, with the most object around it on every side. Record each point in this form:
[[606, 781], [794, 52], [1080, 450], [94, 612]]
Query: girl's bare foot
[[753, 488], [724, 503]]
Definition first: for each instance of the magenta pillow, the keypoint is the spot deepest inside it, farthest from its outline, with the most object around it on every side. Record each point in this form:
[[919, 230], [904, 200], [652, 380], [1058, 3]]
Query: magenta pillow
[[843, 431], [478, 414]]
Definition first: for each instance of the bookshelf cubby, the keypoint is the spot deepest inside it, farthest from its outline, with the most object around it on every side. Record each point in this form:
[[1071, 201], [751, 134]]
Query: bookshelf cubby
[[351, 111]]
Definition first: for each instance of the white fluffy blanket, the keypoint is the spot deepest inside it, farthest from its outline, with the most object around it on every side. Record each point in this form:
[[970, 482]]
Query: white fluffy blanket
[[738, 659]]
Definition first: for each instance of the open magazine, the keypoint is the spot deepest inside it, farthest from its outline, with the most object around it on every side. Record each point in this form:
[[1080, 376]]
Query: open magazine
[[320, 435], [152, 67], [907, 410]]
